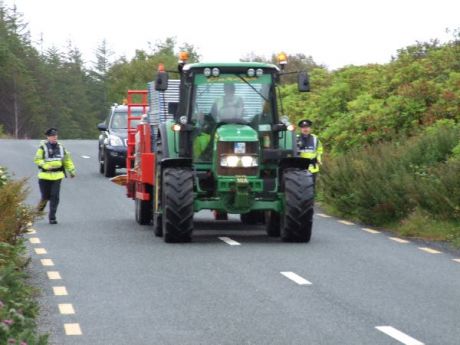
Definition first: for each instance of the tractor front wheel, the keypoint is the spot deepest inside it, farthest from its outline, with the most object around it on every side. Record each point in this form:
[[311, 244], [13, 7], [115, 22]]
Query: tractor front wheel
[[297, 220], [177, 198]]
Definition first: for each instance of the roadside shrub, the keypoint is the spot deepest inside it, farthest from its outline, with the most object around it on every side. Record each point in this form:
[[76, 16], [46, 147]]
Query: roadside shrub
[[18, 309], [386, 182]]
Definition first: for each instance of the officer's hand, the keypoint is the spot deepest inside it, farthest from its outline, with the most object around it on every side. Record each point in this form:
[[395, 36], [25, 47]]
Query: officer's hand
[[72, 175]]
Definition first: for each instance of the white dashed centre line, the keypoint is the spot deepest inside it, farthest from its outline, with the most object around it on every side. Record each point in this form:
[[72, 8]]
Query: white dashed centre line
[[34, 240], [429, 250], [398, 335], [31, 231], [399, 240], [66, 309], [40, 251], [456, 260], [323, 215], [47, 262], [296, 278], [53, 275], [371, 231], [86, 157], [229, 241], [346, 222], [60, 291], [72, 329]]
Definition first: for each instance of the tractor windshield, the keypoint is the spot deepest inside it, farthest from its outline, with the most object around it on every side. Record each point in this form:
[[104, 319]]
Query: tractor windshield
[[233, 98]]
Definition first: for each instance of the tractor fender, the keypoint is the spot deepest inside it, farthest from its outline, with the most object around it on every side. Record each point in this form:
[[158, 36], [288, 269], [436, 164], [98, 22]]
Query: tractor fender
[[293, 162], [176, 162]]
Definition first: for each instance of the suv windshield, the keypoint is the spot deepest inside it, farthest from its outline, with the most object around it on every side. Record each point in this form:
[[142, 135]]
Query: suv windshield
[[120, 119], [233, 98]]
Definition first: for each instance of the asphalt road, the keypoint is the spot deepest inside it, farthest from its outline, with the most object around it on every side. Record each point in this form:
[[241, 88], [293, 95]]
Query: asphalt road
[[127, 287]]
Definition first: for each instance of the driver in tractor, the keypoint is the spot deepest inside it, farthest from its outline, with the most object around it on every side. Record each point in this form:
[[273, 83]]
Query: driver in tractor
[[229, 106]]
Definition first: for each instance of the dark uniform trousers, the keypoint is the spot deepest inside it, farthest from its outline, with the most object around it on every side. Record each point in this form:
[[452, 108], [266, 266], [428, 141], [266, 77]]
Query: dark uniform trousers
[[49, 191]]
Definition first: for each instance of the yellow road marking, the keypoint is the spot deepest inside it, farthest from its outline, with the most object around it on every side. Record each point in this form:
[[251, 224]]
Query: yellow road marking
[[47, 262], [66, 309], [399, 240], [429, 250], [323, 215], [346, 222], [72, 329], [372, 231], [60, 291], [31, 231], [53, 275], [40, 251], [34, 240]]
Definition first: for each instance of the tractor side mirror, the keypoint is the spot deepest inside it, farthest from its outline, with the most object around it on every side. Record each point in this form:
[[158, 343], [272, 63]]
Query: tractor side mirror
[[303, 82], [161, 81], [102, 126]]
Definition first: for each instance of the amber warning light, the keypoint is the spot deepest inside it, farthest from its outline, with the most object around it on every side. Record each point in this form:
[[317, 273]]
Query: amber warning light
[[183, 57]]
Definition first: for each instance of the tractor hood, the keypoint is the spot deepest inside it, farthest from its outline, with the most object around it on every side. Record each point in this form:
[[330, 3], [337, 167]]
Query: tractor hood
[[236, 132]]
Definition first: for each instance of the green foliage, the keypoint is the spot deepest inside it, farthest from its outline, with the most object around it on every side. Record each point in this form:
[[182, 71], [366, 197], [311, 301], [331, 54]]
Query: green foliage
[[363, 105], [135, 74], [18, 309], [421, 224], [386, 182]]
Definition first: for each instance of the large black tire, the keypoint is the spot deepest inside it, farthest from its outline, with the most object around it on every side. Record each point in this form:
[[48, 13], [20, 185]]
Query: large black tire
[[144, 211], [157, 225], [272, 223], [297, 220], [101, 162], [253, 217], [109, 166], [177, 198]]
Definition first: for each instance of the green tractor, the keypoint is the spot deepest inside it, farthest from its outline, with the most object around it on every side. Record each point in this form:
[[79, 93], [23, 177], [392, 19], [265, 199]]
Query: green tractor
[[228, 149]]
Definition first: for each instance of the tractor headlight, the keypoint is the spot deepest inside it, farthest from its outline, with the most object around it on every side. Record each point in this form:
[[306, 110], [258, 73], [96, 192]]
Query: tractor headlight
[[248, 161], [229, 161], [233, 161], [115, 141]]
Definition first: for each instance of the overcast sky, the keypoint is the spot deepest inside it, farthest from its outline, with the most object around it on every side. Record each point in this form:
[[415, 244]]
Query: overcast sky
[[334, 32]]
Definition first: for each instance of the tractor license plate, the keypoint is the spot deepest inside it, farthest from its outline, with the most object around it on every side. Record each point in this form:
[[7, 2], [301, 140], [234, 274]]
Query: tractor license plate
[[239, 148]]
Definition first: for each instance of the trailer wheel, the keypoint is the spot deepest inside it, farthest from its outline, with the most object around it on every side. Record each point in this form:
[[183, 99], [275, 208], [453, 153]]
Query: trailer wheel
[[109, 166], [253, 217], [177, 198], [272, 223], [297, 220], [144, 211]]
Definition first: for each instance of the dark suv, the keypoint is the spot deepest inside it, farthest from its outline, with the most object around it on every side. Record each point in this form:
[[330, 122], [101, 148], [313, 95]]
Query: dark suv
[[113, 139]]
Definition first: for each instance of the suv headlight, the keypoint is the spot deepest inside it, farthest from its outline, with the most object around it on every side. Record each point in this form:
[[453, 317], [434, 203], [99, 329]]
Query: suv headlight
[[233, 161], [115, 141]]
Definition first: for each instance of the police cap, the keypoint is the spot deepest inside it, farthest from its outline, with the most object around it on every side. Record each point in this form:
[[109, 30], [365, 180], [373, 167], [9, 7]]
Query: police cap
[[51, 132], [305, 123]]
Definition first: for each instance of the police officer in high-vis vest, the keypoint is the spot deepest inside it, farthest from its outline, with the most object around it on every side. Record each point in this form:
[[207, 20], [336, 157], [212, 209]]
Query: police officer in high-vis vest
[[309, 146], [54, 162]]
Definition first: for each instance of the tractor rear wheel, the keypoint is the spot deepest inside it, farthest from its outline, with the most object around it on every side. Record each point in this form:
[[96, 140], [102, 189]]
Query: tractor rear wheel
[[177, 198], [272, 223], [297, 220]]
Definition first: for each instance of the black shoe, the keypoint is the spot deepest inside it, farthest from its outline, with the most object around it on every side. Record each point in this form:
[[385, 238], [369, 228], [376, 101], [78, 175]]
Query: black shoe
[[53, 221]]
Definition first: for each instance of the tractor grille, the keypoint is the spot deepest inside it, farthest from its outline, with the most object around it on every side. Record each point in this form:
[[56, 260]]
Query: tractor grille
[[227, 147]]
